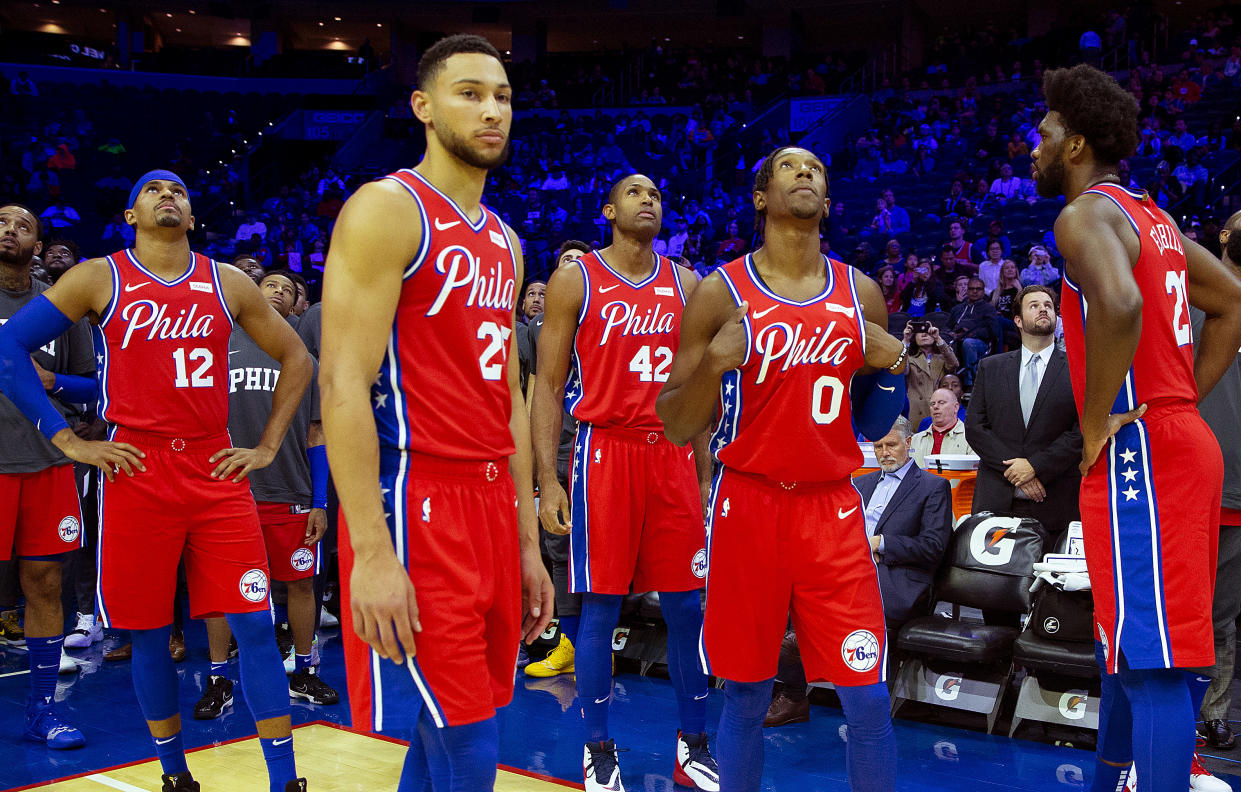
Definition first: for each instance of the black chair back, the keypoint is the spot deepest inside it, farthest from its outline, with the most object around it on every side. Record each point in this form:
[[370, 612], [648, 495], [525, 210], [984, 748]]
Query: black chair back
[[991, 562]]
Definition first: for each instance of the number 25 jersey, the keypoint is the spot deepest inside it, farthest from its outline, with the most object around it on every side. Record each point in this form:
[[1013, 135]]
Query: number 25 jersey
[[162, 350], [626, 336], [442, 388], [785, 412]]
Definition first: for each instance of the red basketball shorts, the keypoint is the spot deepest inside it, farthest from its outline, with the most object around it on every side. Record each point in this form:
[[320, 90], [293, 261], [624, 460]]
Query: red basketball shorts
[[800, 548], [454, 526], [39, 513], [1150, 520], [637, 514], [176, 512], [284, 528]]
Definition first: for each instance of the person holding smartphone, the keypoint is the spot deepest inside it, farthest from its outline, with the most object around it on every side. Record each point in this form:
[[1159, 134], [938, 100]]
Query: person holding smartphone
[[930, 358]]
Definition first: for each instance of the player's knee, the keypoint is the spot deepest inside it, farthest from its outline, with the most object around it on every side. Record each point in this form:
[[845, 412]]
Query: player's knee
[[867, 708], [301, 588], [252, 629], [681, 609], [40, 580], [748, 700]]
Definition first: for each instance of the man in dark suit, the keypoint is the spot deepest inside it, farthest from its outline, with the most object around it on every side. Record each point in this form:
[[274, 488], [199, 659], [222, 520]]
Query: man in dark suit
[[1022, 423], [909, 520]]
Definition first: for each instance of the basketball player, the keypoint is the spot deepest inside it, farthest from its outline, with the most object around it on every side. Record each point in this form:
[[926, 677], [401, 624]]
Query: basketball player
[[775, 339], [428, 437], [636, 515], [291, 495], [1153, 473], [40, 517], [163, 316]]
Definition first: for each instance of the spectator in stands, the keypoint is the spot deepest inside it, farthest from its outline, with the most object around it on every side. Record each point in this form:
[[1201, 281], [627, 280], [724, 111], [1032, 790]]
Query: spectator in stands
[[249, 265], [1126, 179], [909, 521], [1017, 147], [22, 85], [881, 223], [732, 246], [995, 230], [962, 250], [252, 225], [1165, 189], [60, 216], [973, 324], [1004, 298], [1028, 457], [119, 233], [989, 269], [892, 256], [946, 434], [556, 180], [676, 242], [908, 272], [572, 250], [532, 299], [329, 182], [924, 295], [955, 201], [1181, 137], [1193, 177], [886, 278], [1040, 272], [63, 160], [900, 217], [59, 255], [930, 358], [1006, 187]]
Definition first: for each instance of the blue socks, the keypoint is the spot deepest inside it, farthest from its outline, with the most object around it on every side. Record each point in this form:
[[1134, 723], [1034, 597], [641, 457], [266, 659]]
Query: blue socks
[[219, 669], [682, 612], [870, 752], [303, 661], [739, 746], [262, 669], [1113, 754], [44, 665], [155, 683], [593, 661], [568, 627], [278, 753]]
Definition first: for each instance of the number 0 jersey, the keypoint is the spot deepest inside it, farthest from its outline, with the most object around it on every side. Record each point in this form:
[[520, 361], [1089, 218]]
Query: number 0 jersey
[[1163, 367], [162, 349], [443, 387], [627, 334], [785, 412]]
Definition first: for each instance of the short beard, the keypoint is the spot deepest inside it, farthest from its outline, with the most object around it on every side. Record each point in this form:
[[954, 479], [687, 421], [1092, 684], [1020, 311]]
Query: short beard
[[1050, 181], [167, 220], [1232, 251], [18, 258], [459, 148], [1035, 330]]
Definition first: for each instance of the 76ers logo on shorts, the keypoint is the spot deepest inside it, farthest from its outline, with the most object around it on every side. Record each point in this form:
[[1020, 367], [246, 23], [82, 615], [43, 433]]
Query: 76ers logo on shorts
[[860, 650], [69, 529], [254, 585], [699, 564], [302, 559]]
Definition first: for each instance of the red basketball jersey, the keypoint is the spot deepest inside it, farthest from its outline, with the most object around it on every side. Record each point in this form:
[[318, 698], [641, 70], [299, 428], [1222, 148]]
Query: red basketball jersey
[[785, 413], [626, 337], [1163, 367], [443, 388], [163, 349]]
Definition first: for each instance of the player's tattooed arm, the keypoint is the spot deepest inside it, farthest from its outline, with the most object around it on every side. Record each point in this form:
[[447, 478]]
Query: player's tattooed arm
[[1215, 289], [537, 593], [562, 305], [361, 288], [713, 340], [277, 338], [1098, 258]]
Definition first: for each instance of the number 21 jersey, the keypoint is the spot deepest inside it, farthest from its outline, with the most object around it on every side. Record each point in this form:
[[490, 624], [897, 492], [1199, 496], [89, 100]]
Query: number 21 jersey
[[162, 350], [442, 388]]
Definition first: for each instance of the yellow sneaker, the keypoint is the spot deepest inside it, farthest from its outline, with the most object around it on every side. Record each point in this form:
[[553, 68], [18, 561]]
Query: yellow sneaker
[[560, 661], [11, 633]]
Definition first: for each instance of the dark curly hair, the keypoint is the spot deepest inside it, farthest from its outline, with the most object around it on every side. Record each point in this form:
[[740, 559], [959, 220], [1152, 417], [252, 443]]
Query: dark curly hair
[[1092, 104], [764, 176]]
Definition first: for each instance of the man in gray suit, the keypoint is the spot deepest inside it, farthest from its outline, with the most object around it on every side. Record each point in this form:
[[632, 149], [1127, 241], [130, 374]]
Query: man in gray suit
[[1022, 423]]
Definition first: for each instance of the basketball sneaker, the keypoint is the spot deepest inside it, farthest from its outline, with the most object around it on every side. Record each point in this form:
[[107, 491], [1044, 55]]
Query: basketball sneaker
[[216, 698], [296, 785], [560, 661], [306, 684], [1201, 780], [290, 659], [696, 766], [327, 619], [87, 632], [43, 724], [68, 665], [11, 633], [181, 782], [600, 768]]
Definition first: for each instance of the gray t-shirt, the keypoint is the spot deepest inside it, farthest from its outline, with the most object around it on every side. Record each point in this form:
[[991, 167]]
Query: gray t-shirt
[[252, 377], [568, 428], [1221, 409], [25, 449], [310, 328]]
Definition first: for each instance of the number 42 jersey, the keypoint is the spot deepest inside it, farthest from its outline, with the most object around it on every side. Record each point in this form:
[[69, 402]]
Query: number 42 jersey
[[442, 388]]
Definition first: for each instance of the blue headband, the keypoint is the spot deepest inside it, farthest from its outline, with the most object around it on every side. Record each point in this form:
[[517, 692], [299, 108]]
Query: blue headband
[[163, 175]]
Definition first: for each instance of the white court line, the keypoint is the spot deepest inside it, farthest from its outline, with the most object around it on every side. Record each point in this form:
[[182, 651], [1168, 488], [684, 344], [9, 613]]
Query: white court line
[[14, 673], [112, 782]]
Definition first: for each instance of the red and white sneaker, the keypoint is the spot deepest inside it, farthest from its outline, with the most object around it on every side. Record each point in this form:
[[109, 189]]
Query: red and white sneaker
[[696, 767], [1201, 780]]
